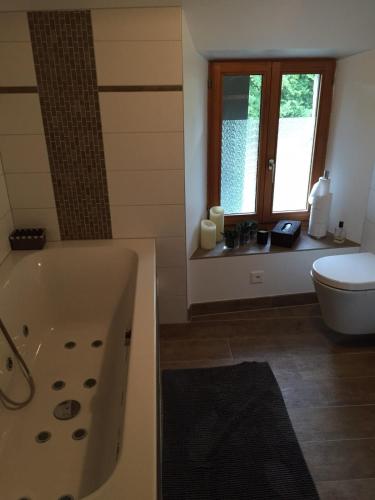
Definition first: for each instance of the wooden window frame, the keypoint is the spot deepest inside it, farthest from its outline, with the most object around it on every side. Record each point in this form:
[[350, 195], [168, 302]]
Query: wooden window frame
[[272, 71]]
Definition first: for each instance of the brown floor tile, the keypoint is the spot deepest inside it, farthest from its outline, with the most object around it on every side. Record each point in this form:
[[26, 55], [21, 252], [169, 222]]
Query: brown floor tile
[[196, 363], [330, 392], [337, 460], [186, 350], [333, 423], [352, 489], [360, 364]]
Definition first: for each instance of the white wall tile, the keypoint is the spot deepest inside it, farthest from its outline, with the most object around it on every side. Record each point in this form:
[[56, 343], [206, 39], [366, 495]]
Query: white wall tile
[[24, 153], [38, 217], [6, 227], [144, 151], [146, 188], [4, 200], [152, 221], [172, 309], [171, 281], [137, 24], [16, 64], [30, 190], [14, 27], [20, 114], [141, 111], [371, 206], [138, 63], [170, 252]]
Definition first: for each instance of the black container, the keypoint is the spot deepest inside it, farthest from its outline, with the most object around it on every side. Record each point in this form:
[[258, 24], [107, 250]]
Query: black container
[[262, 237], [285, 233], [27, 239]]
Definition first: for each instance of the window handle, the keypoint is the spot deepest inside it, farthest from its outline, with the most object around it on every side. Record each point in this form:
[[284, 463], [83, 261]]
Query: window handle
[[271, 167]]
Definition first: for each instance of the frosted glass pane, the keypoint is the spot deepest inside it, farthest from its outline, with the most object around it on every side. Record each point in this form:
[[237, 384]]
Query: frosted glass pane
[[240, 142], [298, 114]]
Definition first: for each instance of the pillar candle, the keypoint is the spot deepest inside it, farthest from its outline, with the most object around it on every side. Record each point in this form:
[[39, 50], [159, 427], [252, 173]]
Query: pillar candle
[[217, 216], [208, 234]]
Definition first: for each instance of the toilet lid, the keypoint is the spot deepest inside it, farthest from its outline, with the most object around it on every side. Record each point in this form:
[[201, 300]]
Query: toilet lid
[[355, 271]]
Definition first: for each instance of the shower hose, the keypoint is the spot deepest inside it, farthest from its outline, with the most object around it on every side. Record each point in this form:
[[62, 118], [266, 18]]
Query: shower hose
[[9, 403]]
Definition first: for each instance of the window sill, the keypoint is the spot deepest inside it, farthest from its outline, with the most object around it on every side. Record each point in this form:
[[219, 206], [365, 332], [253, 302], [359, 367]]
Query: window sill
[[303, 243]]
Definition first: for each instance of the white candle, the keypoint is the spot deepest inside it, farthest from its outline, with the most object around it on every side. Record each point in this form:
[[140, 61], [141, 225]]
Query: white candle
[[208, 234], [217, 216]]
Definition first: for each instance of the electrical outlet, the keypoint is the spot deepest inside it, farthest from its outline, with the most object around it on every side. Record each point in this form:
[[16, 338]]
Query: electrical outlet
[[256, 277]]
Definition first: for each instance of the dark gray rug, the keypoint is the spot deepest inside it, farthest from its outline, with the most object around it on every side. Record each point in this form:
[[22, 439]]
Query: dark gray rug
[[227, 436]]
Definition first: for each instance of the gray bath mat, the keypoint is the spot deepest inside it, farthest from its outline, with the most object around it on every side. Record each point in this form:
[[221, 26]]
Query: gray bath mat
[[227, 436]]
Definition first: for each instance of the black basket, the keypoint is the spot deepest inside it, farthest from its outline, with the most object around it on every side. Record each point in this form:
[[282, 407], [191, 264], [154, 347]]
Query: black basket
[[27, 239]]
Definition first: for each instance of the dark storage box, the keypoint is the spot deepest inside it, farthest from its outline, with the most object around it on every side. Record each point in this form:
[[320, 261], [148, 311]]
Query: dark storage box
[[27, 239], [285, 233]]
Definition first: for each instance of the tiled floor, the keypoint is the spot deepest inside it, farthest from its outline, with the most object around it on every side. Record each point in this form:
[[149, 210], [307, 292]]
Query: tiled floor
[[328, 384]]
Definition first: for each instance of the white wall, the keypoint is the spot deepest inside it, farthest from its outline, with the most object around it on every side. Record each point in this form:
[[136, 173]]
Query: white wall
[[228, 278], [143, 138], [22, 142], [351, 148], [195, 69], [257, 28], [368, 238]]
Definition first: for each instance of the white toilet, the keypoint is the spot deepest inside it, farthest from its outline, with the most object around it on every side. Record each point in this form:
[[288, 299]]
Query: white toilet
[[345, 285]]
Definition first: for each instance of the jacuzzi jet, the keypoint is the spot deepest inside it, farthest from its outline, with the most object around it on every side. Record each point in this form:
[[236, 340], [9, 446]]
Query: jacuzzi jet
[[58, 385], [79, 434], [90, 382], [43, 437], [70, 345], [97, 343], [66, 497], [67, 410], [25, 330]]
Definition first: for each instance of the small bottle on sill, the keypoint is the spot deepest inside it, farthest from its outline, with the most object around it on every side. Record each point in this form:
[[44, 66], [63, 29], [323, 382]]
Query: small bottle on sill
[[340, 233]]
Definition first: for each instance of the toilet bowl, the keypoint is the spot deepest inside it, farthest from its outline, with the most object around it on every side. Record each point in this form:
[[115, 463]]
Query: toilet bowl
[[345, 286]]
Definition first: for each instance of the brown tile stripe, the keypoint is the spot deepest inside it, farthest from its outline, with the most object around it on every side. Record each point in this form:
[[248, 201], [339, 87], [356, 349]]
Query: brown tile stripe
[[102, 88], [140, 88], [18, 90], [64, 60]]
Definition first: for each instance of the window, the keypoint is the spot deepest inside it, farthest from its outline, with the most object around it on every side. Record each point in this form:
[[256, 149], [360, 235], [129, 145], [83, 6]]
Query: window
[[268, 129]]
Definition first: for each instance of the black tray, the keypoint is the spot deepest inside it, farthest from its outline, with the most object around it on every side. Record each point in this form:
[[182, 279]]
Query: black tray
[[27, 239]]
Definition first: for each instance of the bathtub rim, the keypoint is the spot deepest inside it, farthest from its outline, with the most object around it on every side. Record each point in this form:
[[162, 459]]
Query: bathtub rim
[[135, 476]]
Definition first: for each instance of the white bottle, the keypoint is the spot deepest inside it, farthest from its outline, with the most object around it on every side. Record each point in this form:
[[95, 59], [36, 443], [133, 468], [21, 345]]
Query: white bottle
[[340, 233], [320, 201]]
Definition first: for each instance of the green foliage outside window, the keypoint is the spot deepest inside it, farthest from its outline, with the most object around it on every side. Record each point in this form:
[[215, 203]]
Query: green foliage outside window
[[296, 96]]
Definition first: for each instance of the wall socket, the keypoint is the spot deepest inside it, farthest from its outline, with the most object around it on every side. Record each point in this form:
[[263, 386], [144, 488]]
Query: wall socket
[[256, 277]]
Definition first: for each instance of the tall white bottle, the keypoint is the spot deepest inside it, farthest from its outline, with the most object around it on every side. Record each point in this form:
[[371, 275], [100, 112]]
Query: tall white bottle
[[320, 200]]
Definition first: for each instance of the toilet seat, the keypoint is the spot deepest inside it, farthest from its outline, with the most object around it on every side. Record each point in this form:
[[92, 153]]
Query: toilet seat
[[355, 271]]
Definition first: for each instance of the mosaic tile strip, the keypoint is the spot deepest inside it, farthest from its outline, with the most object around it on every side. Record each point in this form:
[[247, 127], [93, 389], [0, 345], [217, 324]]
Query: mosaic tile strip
[[64, 60]]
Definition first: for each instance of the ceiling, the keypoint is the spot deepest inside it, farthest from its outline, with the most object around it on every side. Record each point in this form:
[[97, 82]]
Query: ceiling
[[256, 28]]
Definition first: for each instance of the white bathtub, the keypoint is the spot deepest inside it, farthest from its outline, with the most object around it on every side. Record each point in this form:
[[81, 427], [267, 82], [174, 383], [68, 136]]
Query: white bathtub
[[81, 292]]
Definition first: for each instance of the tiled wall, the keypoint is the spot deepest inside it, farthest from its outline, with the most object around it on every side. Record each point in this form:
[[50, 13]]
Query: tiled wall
[[143, 136], [22, 140], [64, 59], [138, 55], [6, 221]]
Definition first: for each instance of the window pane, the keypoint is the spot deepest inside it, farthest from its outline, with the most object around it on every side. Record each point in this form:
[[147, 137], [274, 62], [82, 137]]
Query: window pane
[[298, 114], [240, 142]]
